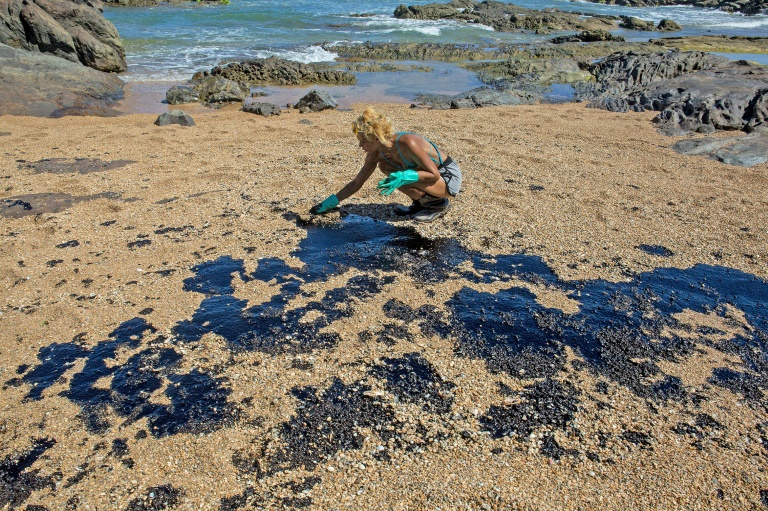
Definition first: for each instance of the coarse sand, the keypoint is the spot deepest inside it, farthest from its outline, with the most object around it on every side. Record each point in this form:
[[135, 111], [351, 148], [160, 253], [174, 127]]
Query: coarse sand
[[375, 374]]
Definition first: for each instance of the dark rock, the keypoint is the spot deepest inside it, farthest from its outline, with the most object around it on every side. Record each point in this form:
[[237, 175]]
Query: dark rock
[[46, 86], [734, 97], [179, 94], [633, 23], [506, 17], [175, 117], [265, 109], [694, 92], [217, 89], [521, 73], [743, 6], [315, 101], [477, 98], [489, 97], [667, 25], [462, 103], [75, 31], [622, 76], [744, 151], [588, 36]]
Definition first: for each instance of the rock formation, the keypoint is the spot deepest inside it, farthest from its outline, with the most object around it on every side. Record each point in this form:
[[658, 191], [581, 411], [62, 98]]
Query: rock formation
[[71, 30], [58, 57], [505, 17], [277, 71]]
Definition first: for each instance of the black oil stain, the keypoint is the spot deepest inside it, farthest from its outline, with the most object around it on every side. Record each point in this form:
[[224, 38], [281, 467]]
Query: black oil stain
[[656, 250], [37, 203], [327, 422], [198, 400], [550, 403], [18, 481], [702, 427], [139, 243], [270, 326], [70, 166], [157, 498], [413, 380], [621, 332]]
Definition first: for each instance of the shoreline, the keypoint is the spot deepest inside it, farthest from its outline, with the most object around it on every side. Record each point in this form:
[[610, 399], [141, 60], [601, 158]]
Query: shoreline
[[393, 87], [149, 98]]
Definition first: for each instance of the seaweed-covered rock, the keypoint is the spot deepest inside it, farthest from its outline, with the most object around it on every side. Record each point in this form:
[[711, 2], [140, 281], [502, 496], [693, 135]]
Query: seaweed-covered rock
[[633, 23], [277, 71], [505, 17], [587, 36], [316, 101], [667, 25], [517, 73], [214, 90], [477, 98], [179, 94]]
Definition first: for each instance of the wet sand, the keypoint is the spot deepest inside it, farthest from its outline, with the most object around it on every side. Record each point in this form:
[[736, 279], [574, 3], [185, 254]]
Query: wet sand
[[585, 329]]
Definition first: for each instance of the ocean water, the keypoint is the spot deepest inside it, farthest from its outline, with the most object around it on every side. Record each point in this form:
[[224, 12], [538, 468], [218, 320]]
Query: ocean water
[[169, 43]]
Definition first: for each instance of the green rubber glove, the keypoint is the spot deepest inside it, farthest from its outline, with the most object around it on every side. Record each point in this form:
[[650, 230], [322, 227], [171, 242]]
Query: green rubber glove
[[397, 179], [325, 206]]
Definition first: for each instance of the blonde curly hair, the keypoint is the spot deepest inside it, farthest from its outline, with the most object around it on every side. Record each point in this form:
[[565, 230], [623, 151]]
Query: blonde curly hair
[[373, 126]]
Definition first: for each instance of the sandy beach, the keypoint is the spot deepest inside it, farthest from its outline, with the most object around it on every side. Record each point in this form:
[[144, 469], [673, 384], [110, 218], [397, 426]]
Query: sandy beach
[[585, 329]]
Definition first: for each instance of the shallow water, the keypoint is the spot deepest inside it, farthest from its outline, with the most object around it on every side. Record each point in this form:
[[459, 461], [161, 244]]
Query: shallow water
[[170, 43]]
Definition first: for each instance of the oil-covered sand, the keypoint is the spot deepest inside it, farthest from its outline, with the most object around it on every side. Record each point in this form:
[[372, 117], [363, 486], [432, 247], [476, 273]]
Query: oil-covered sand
[[585, 329]]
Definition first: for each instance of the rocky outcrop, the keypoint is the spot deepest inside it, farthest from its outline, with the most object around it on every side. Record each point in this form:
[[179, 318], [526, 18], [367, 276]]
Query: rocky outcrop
[[505, 17], [72, 30], [514, 72], [477, 98], [633, 23], [277, 71], [588, 36], [692, 91], [32, 83], [734, 97], [623, 74], [743, 6], [744, 150]]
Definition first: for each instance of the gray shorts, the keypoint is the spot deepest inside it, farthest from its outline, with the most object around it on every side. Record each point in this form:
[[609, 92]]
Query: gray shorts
[[451, 174]]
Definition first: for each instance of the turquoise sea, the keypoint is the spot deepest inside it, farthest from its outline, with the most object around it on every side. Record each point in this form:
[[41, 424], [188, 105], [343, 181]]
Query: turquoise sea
[[167, 44]]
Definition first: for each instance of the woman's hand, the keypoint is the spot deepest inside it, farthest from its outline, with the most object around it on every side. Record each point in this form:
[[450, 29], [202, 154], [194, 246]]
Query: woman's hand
[[325, 206], [397, 179]]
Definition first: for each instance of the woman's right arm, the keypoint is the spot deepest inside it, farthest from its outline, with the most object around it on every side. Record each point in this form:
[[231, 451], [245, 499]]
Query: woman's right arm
[[369, 167]]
